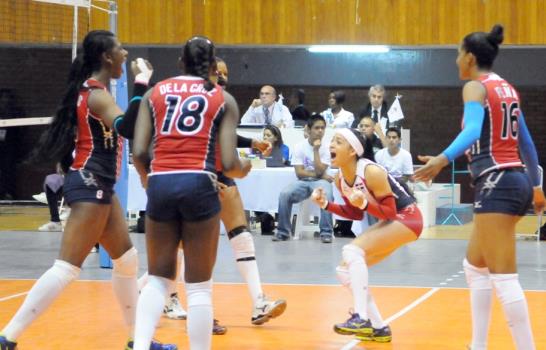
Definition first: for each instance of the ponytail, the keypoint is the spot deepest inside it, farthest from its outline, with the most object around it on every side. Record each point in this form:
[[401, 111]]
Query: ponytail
[[58, 141]]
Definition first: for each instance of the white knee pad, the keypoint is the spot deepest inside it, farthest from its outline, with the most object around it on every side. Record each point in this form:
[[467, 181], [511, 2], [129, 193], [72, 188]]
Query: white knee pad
[[243, 246], [342, 274], [65, 271], [199, 293], [477, 277], [162, 284], [507, 288], [127, 264], [351, 254]]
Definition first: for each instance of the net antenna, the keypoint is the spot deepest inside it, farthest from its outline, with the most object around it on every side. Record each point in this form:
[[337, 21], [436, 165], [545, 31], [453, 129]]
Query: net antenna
[[84, 4]]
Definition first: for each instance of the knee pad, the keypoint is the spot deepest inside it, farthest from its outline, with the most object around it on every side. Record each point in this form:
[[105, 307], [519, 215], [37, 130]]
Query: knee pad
[[127, 264], [507, 288], [199, 293], [352, 254], [162, 284], [477, 277], [343, 276], [65, 271], [237, 231], [243, 247]]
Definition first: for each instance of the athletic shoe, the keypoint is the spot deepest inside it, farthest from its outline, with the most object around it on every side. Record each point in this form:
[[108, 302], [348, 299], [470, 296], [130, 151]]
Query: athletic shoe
[[380, 335], [51, 227], [40, 197], [354, 326], [153, 346], [65, 214], [173, 309], [264, 309], [5, 344], [217, 328]]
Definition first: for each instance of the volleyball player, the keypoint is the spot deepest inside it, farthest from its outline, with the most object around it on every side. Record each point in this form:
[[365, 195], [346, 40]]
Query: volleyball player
[[186, 114], [86, 117], [366, 186], [494, 135]]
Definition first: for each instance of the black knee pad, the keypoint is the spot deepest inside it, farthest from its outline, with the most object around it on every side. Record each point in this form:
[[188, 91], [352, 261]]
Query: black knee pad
[[237, 231]]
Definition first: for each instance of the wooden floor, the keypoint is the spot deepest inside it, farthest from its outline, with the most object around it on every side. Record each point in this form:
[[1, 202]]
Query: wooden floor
[[86, 317]]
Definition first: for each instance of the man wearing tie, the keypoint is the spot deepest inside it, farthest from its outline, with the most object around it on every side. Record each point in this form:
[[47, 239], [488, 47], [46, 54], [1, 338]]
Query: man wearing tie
[[376, 108], [266, 110]]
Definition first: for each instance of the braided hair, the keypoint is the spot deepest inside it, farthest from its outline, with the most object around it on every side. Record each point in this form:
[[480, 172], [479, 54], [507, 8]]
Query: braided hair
[[58, 141], [198, 56]]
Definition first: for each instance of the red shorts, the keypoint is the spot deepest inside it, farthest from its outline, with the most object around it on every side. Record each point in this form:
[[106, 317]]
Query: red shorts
[[411, 217]]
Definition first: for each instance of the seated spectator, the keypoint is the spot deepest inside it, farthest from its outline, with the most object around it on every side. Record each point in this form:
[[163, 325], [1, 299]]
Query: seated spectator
[[373, 132], [53, 192], [377, 109], [311, 160], [297, 107], [336, 116], [266, 110], [279, 149], [395, 159]]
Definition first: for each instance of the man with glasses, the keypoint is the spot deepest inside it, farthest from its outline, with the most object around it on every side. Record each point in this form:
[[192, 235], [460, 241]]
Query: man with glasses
[[267, 111]]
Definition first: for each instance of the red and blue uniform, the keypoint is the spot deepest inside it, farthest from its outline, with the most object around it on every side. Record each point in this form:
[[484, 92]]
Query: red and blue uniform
[[400, 206], [97, 156], [497, 147], [186, 119]]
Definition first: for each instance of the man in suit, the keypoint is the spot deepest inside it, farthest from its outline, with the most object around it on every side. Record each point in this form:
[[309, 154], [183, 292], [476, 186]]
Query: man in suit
[[377, 109]]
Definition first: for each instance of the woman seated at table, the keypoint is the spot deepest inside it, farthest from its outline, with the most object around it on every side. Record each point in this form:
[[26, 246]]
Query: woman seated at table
[[280, 153]]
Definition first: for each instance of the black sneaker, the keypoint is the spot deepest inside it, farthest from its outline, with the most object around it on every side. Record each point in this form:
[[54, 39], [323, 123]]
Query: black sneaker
[[380, 335]]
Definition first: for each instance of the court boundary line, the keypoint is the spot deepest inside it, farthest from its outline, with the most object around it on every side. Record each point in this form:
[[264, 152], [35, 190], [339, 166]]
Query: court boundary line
[[291, 284], [13, 296], [400, 313]]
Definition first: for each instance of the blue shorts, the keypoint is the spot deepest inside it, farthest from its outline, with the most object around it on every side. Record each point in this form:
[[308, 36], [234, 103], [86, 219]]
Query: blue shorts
[[84, 186], [183, 196], [507, 191], [228, 181]]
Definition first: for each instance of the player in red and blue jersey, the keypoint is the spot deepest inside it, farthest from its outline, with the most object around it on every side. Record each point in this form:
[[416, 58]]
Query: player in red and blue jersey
[[367, 187], [494, 135], [186, 116], [89, 120]]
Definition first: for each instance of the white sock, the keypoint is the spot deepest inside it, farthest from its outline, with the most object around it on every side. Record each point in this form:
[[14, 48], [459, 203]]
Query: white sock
[[46, 289], [245, 255], [479, 282], [200, 314], [141, 282], [358, 272], [149, 309], [124, 282], [514, 304], [373, 312]]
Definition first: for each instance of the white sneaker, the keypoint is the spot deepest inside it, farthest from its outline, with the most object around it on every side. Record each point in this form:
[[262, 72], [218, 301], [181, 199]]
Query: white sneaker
[[40, 197], [173, 309], [264, 309], [51, 227], [64, 214]]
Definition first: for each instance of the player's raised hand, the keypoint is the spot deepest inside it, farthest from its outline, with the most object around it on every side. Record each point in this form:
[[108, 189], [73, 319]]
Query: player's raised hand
[[264, 147], [358, 199], [142, 70]]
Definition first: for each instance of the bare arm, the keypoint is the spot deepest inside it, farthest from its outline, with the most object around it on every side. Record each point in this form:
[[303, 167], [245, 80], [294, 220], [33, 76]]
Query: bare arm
[[231, 164], [301, 173], [143, 138]]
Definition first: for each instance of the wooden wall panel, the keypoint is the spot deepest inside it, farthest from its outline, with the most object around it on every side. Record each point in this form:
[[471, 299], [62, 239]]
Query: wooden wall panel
[[395, 22]]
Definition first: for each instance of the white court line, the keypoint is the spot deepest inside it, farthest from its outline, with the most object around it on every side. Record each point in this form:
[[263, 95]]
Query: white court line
[[13, 296], [400, 313]]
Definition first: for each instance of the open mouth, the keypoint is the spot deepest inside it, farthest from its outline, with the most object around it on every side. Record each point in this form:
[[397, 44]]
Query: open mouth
[[332, 155]]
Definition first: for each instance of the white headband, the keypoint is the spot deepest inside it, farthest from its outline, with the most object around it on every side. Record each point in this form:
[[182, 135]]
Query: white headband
[[352, 139]]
